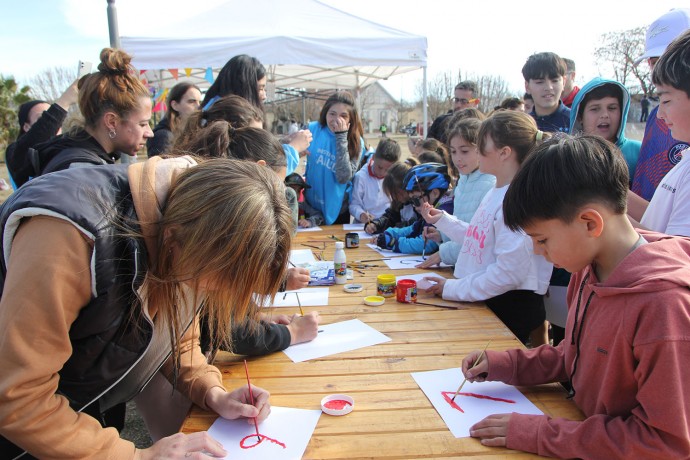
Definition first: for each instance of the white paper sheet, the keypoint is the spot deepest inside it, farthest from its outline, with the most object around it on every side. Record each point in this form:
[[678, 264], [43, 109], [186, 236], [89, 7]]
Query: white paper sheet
[[301, 256], [473, 403], [308, 297], [287, 433], [310, 229], [387, 252], [336, 338], [405, 263], [363, 236], [419, 278], [353, 227]]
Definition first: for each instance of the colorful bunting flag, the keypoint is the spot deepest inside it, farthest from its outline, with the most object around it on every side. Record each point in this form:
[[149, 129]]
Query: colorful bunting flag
[[209, 75]]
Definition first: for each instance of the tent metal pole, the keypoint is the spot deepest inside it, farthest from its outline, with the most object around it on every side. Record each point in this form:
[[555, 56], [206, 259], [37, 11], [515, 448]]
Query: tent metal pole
[[304, 108], [112, 25], [424, 104]]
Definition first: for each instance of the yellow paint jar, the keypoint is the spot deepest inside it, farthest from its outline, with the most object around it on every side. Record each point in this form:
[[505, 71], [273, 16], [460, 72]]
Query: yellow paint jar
[[385, 285]]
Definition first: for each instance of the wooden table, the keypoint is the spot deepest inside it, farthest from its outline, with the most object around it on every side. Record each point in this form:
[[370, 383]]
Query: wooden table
[[392, 418]]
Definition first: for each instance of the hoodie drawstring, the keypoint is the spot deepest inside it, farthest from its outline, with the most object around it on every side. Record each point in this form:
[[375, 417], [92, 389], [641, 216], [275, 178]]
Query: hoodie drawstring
[[573, 341]]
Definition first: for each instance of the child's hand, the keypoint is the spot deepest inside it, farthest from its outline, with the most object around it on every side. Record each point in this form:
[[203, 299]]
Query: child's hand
[[430, 233], [436, 289], [430, 214], [370, 228], [384, 240], [476, 373], [297, 278], [304, 223], [301, 140], [304, 328], [365, 217], [492, 431], [433, 259]]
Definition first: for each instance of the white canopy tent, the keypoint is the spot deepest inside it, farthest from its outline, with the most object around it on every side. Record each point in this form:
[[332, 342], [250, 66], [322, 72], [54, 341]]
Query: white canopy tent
[[302, 44]]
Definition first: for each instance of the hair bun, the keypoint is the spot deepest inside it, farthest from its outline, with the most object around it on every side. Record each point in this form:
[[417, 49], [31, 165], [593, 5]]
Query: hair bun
[[114, 62]]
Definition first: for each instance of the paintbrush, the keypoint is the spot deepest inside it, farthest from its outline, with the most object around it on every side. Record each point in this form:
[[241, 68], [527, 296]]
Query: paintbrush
[[310, 246], [450, 307], [476, 361], [372, 260], [251, 399], [301, 312]]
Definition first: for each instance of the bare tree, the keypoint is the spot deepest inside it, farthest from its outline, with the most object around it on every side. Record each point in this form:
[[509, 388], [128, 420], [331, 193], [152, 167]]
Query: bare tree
[[492, 89], [616, 56], [50, 83], [440, 90]]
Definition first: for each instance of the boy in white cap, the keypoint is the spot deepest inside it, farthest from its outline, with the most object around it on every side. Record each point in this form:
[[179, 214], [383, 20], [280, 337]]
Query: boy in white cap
[[659, 152]]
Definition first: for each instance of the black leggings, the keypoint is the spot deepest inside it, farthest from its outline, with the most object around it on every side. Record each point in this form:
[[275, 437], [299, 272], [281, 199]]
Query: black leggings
[[522, 311]]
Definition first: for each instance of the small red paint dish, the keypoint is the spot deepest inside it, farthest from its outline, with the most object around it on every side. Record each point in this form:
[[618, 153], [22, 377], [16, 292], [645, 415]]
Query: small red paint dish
[[337, 404]]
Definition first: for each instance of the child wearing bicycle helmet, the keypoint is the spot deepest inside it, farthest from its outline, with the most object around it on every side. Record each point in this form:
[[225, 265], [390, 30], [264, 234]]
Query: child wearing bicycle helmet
[[425, 183]]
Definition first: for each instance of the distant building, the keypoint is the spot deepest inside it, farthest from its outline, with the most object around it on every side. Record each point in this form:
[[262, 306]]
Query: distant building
[[378, 107]]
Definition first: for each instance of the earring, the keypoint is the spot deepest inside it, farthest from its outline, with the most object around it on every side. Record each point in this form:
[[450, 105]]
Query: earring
[[112, 134]]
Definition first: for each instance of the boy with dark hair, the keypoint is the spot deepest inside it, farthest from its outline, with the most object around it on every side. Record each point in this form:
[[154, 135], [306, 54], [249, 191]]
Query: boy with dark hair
[[669, 209], [627, 341], [601, 108], [544, 73]]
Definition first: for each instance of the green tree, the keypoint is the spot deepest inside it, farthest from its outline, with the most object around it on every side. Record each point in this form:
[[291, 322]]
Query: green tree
[[11, 97]]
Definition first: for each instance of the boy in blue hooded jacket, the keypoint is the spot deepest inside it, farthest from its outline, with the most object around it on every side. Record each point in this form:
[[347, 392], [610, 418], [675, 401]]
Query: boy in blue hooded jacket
[[601, 108]]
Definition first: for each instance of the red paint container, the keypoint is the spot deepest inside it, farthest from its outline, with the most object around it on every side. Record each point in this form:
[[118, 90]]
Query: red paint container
[[406, 291]]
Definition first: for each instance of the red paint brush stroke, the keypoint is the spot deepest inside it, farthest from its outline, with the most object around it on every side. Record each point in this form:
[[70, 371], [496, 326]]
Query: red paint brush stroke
[[243, 445], [447, 395]]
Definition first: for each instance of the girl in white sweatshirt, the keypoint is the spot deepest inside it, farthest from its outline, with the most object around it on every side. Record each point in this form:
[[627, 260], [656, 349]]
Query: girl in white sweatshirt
[[496, 265]]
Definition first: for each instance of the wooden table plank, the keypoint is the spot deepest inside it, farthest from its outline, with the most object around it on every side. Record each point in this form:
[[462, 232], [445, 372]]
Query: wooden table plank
[[392, 419]]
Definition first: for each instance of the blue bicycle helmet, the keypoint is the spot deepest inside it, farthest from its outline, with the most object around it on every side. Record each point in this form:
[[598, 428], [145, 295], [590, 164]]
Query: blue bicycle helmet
[[427, 177]]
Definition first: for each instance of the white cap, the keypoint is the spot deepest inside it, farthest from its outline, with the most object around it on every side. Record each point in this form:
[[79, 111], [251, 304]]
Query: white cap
[[339, 245], [663, 31]]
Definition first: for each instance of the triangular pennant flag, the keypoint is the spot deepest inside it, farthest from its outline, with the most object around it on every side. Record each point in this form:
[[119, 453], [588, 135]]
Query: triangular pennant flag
[[209, 75], [188, 71], [174, 73], [159, 107], [142, 72], [161, 97]]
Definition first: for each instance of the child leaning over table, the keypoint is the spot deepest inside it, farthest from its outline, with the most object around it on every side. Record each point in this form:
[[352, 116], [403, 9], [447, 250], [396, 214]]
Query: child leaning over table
[[368, 200], [496, 265], [627, 345], [425, 184], [400, 213]]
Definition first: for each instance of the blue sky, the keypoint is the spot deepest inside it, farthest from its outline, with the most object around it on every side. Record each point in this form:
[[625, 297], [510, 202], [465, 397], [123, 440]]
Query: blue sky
[[480, 37]]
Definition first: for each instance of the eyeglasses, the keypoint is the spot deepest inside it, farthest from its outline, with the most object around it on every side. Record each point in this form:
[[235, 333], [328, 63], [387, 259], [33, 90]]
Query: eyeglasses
[[465, 101]]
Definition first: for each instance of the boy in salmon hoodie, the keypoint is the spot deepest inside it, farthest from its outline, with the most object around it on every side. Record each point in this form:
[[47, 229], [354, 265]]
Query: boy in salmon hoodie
[[627, 340]]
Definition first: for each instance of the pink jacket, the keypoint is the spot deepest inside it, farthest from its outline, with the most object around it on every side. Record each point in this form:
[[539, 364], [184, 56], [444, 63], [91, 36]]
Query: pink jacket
[[627, 353]]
